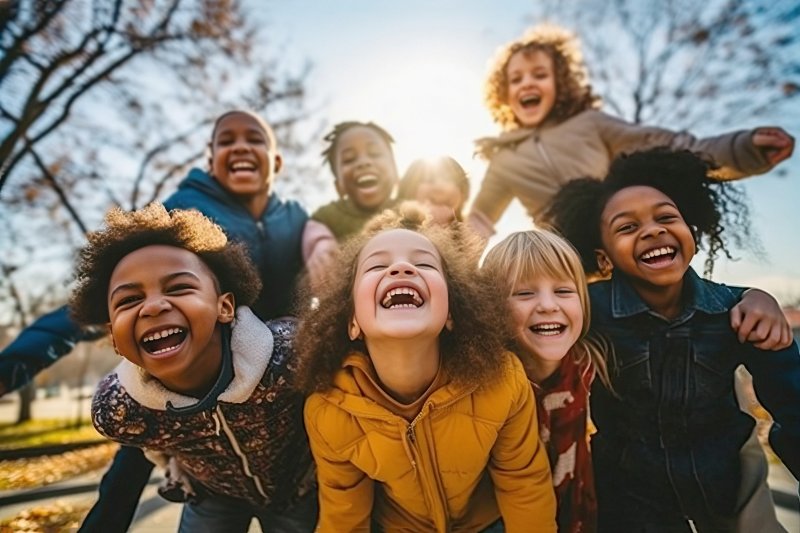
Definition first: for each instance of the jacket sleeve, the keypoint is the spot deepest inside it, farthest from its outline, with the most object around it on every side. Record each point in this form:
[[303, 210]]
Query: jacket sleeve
[[493, 197], [776, 376], [734, 151], [345, 492], [519, 466], [38, 346]]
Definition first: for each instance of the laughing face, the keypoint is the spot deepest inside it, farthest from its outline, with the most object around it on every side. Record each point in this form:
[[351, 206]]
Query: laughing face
[[400, 290], [243, 156], [645, 237], [365, 168], [548, 319], [164, 311], [531, 86]]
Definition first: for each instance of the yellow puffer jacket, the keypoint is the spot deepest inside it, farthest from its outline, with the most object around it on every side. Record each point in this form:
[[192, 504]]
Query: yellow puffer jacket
[[470, 456]]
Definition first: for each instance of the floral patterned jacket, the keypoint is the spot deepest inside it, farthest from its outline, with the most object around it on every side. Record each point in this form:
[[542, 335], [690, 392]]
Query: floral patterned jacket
[[251, 445]]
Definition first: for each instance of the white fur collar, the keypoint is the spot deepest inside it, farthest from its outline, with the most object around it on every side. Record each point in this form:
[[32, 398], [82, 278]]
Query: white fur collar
[[251, 345]]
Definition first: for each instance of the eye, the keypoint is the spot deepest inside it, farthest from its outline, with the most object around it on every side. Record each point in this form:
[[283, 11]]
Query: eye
[[180, 288], [126, 301], [565, 290], [426, 265], [523, 293], [255, 140], [670, 217], [374, 268], [626, 228]]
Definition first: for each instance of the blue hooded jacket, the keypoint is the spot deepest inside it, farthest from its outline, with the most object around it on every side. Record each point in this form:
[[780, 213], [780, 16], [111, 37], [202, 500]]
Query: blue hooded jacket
[[273, 242]]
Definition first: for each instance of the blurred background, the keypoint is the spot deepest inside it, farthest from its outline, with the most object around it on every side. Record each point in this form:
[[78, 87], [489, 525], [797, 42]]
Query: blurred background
[[108, 103]]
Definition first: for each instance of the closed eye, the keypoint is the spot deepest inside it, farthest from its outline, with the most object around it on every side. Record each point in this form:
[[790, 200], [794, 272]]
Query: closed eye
[[180, 287], [625, 228], [126, 301]]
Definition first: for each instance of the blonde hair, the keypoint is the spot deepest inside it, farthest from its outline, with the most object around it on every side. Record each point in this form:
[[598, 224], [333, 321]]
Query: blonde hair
[[573, 90], [525, 255]]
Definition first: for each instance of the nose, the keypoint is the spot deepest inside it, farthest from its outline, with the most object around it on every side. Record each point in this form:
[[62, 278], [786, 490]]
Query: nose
[[653, 230], [546, 302], [241, 145], [401, 269], [154, 306]]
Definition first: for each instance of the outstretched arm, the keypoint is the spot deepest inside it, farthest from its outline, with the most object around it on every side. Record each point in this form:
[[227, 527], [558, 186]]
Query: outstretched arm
[[38, 346]]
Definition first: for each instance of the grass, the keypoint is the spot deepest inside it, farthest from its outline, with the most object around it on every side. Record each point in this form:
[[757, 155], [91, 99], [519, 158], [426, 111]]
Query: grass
[[45, 432]]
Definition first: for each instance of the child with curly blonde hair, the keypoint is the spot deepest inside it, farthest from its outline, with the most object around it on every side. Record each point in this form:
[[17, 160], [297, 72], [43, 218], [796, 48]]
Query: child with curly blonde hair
[[419, 420], [548, 303], [538, 92]]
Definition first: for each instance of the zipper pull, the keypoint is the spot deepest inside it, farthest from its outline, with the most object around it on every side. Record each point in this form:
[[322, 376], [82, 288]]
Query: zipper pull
[[410, 433]]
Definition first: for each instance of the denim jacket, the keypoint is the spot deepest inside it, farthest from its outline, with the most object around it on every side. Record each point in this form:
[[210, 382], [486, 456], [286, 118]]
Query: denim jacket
[[670, 433]]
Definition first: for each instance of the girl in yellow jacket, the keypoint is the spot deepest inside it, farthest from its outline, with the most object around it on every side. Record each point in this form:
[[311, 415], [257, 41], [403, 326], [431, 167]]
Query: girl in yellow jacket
[[419, 420]]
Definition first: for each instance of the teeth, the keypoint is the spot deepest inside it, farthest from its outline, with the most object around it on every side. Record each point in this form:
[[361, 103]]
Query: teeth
[[530, 99], [665, 250], [387, 300], [242, 165], [161, 334], [367, 179], [547, 329]]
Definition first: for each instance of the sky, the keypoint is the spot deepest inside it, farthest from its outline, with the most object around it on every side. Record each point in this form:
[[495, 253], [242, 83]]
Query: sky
[[417, 68]]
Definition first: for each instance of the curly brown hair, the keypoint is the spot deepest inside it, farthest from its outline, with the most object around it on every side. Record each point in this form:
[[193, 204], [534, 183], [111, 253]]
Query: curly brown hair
[[573, 91], [127, 231], [471, 353], [333, 136]]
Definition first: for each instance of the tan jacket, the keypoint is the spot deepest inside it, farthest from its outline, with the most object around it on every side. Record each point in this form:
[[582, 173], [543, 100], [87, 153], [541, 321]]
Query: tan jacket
[[470, 456], [532, 164]]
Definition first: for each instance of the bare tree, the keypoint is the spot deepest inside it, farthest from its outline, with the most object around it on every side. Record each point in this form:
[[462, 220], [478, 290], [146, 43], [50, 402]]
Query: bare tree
[[109, 103], [688, 64]]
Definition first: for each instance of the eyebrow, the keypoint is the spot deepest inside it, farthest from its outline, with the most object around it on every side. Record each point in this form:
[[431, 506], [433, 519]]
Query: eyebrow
[[165, 279], [630, 212]]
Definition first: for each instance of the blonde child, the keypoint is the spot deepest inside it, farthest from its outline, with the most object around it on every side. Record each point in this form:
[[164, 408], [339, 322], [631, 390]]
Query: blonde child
[[202, 380], [362, 162], [548, 302], [440, 184], [419, 419], [538, 92]]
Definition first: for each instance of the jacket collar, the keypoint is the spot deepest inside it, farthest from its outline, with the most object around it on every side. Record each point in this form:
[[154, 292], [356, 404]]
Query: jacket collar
[[701, 295], [251, 344], [207, 184]]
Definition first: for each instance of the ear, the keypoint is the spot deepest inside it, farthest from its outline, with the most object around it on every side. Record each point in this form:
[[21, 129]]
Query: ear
[[277, 165], [448, 324], [226, 308], [111, 336], [603, 262], [354, 331]]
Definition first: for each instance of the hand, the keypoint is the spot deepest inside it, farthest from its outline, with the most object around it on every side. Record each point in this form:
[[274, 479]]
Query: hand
[[758, 318], [776, 144]]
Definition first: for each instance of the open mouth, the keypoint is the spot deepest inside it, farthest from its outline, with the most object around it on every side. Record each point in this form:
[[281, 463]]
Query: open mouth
[[548, 329], [243, 166], [530, 100], [658, 256], [367, 181], [402, 298], [163, 341]]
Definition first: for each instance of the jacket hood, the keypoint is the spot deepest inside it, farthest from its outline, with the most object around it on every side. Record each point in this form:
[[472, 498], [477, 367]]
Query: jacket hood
[[251, 344]]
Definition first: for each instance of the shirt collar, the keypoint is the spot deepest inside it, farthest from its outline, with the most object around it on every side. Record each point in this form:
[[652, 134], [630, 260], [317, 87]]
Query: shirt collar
[[702, 295]]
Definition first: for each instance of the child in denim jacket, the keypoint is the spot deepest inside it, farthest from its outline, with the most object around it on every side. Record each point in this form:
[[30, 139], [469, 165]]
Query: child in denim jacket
[[667, 450]]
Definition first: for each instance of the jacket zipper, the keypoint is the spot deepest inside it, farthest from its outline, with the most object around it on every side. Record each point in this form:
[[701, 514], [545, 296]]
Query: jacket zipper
[[220, 418], [434, 487]]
